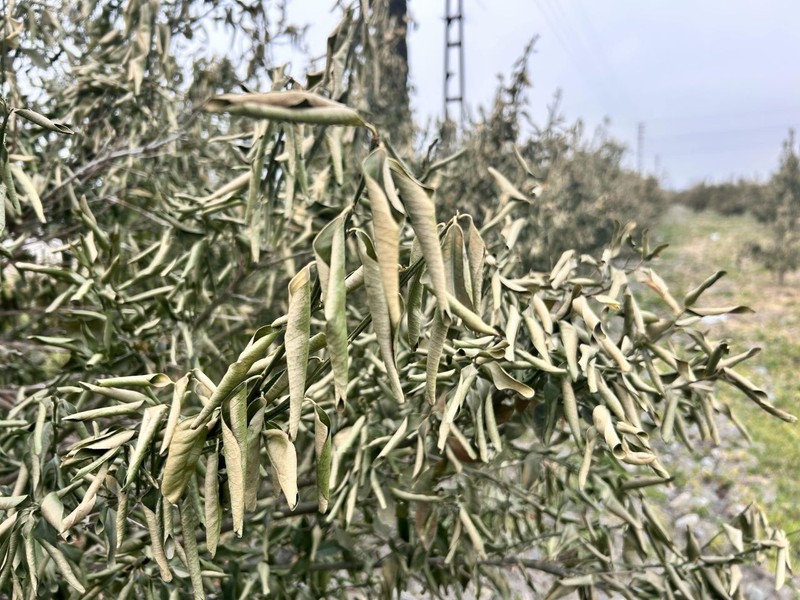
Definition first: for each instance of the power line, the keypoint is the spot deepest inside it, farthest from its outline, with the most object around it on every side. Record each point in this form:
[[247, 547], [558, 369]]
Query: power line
[[579, 65], [588, 46]]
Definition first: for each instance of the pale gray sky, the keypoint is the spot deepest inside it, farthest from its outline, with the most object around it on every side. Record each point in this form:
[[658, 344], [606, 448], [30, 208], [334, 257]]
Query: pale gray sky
[[715, 82]]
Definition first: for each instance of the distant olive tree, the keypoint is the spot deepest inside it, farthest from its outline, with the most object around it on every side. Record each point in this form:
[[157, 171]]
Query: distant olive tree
[[782, 213], [246, 352]]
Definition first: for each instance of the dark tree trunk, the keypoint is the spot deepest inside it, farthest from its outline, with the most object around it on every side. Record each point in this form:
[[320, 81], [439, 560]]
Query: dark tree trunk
[[394, 114], [398, 17]]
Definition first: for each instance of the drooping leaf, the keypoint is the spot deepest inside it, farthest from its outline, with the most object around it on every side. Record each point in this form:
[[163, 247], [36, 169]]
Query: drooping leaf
[[379, 310], [234, 465], [294, 106], [571, 409], [237, 372], [298, 332], [472, 532], [253, 214], [30, 192], [329, 250], [435, 347], [466, 380], [156, 540], [62, 564], [333, 140], [189, 526], [503, 381], [475, 252], [182, 456], [178, 393], [418, 202], [213, 509], [324, 453], [147, 431], [283, 456], [386, 222], [42, 121], [253, 456], [52, 510]]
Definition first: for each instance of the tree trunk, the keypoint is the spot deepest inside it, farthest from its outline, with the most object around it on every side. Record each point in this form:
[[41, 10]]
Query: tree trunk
[[392, 105]]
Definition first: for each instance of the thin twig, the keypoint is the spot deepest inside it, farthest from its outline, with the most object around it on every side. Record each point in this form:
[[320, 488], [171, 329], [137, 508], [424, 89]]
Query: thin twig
[[92, 167]]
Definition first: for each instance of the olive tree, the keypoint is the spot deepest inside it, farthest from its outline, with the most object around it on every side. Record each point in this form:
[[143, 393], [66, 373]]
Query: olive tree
[[782, 213], [243, 353]]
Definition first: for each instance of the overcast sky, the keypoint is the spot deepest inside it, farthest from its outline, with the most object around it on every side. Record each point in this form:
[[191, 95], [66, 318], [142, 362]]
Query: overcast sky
[[716, 83]]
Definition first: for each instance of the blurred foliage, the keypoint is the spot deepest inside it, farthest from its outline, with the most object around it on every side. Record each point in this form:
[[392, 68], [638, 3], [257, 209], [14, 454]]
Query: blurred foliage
[[782, 213], [581, 185], [776, 203], [246, 351], [732, 198]]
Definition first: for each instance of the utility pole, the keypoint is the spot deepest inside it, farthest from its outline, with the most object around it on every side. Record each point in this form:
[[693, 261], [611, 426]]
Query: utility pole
[[640, 148], [454, 65]]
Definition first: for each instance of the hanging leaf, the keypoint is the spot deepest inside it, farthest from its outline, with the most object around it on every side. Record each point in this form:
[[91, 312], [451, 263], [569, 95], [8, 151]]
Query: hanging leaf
[[52, 510], [379, 310], [178, 393], [62, 564], [147, 431], [149, 509], [435, 347], [324, 453], [418, 203], [42, 121], [213, 509], [298, 332], [182, 456], [472, 532], [235, 449], [283, 457], [386, 223], [475, 252], [294, 106], [503, 381], [253, 455], [329, 250], [30, 192], [189, 526], [237, 372]]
